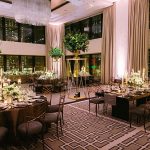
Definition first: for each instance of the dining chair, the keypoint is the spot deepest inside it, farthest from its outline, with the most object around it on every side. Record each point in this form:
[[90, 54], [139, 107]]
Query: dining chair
[[56, 117], [109, 99], [95, 100], [141, 113], [32, 124], [55, 108], [3, 137]]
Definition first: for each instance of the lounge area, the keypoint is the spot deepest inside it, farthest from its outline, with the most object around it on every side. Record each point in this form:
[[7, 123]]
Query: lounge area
[[74, 75]]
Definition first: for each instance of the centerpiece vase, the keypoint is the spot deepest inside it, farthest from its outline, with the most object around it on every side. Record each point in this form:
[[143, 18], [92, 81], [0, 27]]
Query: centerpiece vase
[[9, 99], [56, 58]]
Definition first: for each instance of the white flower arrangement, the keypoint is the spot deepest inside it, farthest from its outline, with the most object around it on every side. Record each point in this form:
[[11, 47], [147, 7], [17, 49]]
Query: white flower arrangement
[[47, 75], [11, 90], [83, 72], [135, 79]]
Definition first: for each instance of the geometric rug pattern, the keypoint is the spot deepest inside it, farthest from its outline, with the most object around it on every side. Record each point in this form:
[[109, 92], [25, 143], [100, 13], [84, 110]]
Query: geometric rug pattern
[[84, 131], [139, 141]]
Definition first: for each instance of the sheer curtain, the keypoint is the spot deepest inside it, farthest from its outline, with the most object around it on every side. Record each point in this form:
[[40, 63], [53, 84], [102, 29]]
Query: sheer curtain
[[54, 38], [107, 45], [138, 34]]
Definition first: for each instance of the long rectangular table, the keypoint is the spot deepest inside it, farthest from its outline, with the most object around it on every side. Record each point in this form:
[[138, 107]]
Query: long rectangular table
[[124, 104]]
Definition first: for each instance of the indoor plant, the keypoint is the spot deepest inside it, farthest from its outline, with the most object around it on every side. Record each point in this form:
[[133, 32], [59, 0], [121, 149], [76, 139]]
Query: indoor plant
[[56, 53], [76, 41]]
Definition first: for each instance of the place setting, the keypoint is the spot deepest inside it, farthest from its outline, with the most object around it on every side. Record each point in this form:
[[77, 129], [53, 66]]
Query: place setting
[[3, 106]]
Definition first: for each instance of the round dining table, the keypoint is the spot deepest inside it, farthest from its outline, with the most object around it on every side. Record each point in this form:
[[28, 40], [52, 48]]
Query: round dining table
[[11, 115]]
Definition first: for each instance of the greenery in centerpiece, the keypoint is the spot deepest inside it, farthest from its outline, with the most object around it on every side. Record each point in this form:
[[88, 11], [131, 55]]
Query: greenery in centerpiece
[[12, 91], [56, 53], [76, 41], [135, 79]]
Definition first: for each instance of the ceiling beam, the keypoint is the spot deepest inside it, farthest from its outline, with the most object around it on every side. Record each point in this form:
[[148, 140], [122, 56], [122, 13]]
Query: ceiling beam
[[6, 1], [60, 5]]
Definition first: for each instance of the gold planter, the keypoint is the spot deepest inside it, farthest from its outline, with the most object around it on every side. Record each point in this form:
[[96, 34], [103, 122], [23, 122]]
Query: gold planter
[[76, 54], [76, 64]]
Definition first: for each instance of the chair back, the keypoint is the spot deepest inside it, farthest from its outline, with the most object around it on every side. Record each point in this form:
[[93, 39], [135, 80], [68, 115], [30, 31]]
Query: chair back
[[110, 99], [39, 109], [61, 104], [50, 98], [90, 94]]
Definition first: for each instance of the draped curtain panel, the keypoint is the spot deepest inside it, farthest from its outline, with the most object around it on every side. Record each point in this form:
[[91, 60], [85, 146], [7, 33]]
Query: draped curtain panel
[[138, 34], [107, 54], [54, 38]]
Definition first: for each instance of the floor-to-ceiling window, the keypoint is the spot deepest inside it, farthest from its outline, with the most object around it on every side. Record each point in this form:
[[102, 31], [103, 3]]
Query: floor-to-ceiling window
[[12, 63], [92, 66], [92, 26], [10, 30], [22, 63], [39, 63], [26, 33], [1, 29], [27, 63]]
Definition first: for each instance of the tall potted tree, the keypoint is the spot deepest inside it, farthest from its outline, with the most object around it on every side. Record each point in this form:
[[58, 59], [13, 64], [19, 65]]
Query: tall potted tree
[[74, 42]]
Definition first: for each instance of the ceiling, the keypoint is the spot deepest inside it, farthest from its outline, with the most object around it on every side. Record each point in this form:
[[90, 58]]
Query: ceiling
[[64, 11]]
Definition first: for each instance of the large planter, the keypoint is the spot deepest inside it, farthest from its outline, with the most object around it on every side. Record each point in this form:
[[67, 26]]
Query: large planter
[[76, 54], [9, 100]]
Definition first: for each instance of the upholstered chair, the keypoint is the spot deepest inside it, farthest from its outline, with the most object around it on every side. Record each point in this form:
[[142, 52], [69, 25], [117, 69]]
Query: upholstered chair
[[55, 108], [95, 100], [3, 136], [56, 116]]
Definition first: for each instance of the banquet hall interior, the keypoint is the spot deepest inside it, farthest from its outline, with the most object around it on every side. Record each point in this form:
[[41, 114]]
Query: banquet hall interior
[[74, 75]]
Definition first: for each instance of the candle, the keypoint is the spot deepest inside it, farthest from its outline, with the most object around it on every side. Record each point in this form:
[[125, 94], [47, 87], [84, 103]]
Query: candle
[[8, 80], [122, 81], [19, 81], [126, 77], [1, 72], [143, 74]]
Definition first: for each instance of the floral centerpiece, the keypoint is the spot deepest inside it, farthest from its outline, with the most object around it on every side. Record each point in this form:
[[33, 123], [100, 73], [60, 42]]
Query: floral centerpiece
[[83, 72], [135, 79], [11, 91], [76, 41], [47, 75], [56, 53]]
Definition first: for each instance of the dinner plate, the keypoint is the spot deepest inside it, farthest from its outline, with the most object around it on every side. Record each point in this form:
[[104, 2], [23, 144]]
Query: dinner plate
[[31, 100], [3, 108], [36, 97], [3, 105], [20, 104], [39, 100]]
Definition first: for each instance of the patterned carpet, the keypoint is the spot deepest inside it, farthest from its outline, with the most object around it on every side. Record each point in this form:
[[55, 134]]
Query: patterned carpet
[[84, 131], [139, 141]]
